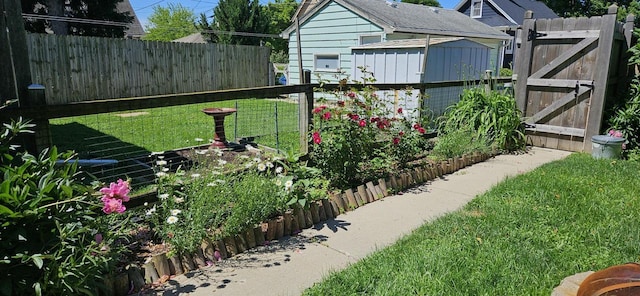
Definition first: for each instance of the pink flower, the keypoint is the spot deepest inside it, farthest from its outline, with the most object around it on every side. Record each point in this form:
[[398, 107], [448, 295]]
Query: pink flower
[[422, 130], [399, 110], [353, 116], [316, 138], [416, 126], [401, 133], [341, 103], [217, 255], [396, 141], [119, 190], [615, 134], [317, 110], [326, 115], [362, 123], [112, 205], [351, 95]]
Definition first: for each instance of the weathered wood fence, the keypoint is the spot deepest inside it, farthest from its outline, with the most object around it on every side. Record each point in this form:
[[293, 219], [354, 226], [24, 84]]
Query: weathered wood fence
[[567, 70], [76, 68]]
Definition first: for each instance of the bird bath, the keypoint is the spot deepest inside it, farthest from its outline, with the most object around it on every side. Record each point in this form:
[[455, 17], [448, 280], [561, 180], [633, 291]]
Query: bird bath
[[218, 114]]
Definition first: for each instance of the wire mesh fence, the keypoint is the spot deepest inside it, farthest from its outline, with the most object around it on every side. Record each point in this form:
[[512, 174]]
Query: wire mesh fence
[[125, 144]]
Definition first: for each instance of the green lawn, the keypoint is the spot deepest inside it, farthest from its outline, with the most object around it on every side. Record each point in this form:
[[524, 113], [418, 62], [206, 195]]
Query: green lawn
[[521, 238], [117, 135]]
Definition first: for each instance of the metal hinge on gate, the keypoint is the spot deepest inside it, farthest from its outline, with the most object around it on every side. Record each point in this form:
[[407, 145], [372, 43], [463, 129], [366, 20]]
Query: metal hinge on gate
[[533, 35]]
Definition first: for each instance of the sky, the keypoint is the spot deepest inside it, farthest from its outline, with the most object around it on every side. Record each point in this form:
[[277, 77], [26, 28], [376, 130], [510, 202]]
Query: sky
[[144, 8]]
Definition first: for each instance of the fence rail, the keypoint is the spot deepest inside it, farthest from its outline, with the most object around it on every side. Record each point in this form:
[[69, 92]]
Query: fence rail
[[76, 68]]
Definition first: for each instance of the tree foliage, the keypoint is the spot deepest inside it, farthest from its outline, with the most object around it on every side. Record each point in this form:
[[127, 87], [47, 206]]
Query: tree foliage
[[105, 10], [237, 16], [575, 8], [170, 23], [433, 3], [279, 14]]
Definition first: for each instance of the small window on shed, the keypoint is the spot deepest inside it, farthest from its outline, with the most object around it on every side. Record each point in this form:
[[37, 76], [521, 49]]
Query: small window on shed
[[367, 39], [476, 8], [327, 62]]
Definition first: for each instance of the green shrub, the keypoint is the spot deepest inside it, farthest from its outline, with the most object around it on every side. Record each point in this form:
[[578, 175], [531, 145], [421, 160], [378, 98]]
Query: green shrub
[[457, 143], [49, 238], [494, 117]]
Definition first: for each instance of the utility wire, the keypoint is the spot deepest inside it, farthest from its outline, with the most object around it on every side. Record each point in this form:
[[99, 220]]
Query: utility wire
[[123, 24]]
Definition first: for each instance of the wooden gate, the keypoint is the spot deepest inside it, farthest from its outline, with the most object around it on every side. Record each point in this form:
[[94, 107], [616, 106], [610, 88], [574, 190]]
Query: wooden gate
[[566, 70]]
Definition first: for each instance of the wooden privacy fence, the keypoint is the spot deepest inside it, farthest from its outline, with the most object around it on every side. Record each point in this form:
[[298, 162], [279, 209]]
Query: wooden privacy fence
[[566, 70], [76, 68]]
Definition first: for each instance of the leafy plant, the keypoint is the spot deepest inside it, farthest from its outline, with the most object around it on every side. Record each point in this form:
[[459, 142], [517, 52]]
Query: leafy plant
[[494, 117], [457, 143], [49, 238]]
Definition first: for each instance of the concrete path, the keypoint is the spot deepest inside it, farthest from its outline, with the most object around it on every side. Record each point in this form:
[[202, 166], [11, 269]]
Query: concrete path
[[296, 263]]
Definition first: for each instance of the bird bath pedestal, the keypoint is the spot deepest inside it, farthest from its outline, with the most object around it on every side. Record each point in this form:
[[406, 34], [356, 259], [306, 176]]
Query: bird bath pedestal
[[218, 114]]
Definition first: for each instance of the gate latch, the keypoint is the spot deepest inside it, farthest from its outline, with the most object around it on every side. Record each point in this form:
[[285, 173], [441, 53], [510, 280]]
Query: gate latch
[[533, 35]]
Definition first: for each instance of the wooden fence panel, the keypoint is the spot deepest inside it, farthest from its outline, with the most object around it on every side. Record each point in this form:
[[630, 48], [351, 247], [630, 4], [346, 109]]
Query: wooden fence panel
[[75, 69]]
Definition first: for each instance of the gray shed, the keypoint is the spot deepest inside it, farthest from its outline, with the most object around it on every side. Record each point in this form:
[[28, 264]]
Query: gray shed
[[401, 61]]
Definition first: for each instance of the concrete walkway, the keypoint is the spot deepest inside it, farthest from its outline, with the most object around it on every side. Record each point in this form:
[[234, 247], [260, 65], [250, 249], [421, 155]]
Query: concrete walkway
[[296, 263]]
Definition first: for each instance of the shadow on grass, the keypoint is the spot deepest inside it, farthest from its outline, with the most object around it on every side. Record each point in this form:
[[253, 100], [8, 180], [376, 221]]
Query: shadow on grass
[[132, 161]]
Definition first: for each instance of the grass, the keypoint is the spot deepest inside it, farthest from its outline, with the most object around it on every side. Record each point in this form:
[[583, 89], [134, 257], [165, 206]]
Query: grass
[[520, 238], [118, 135]]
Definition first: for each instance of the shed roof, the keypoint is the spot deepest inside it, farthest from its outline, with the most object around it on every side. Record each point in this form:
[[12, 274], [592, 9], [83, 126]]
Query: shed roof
[[412, 43], [400, 17]]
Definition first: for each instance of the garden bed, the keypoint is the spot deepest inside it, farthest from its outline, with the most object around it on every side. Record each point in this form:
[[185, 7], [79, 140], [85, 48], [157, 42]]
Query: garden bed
[[158, 266]]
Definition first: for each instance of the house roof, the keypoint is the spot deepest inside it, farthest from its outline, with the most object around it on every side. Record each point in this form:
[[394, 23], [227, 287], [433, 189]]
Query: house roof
[[410, 43], [514, 10], [135, 29], [400, 17], [193, 38]]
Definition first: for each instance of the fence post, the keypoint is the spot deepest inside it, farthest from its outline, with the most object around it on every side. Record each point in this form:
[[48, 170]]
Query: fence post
[[523, 61], [42, 138], [488, 81], [305, 105], [601, 77]]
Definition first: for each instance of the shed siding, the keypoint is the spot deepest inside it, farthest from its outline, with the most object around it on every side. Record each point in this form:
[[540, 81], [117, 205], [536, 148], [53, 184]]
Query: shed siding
[[319, 34], [456, 60]]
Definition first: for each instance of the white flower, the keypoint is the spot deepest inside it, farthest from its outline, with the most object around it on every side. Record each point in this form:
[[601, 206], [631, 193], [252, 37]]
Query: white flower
[[179, 199], [216, 173], [165, 169], [220, 181], [262, 167], [151, 211], [160, 174], [172, 219], [161, 156], [199, 139], [278, 182], [175, 212], [195, 176], [212, 184], [221, 162], [218, 152], [201, 152], [244, 156], [146, 203], [269, 164], [248, 165], [161, 162], [163, 196], [288, 184], [257, 159], [279, 170]]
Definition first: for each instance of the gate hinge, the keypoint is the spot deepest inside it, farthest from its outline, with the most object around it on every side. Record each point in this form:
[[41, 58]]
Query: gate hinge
[[533, 35]]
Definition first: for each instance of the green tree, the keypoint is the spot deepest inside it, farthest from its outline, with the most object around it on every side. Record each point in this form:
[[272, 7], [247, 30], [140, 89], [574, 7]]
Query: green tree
[[104, 10], [170, 23], [433, 3], [243, 16], [574, 8], [279, 14]]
